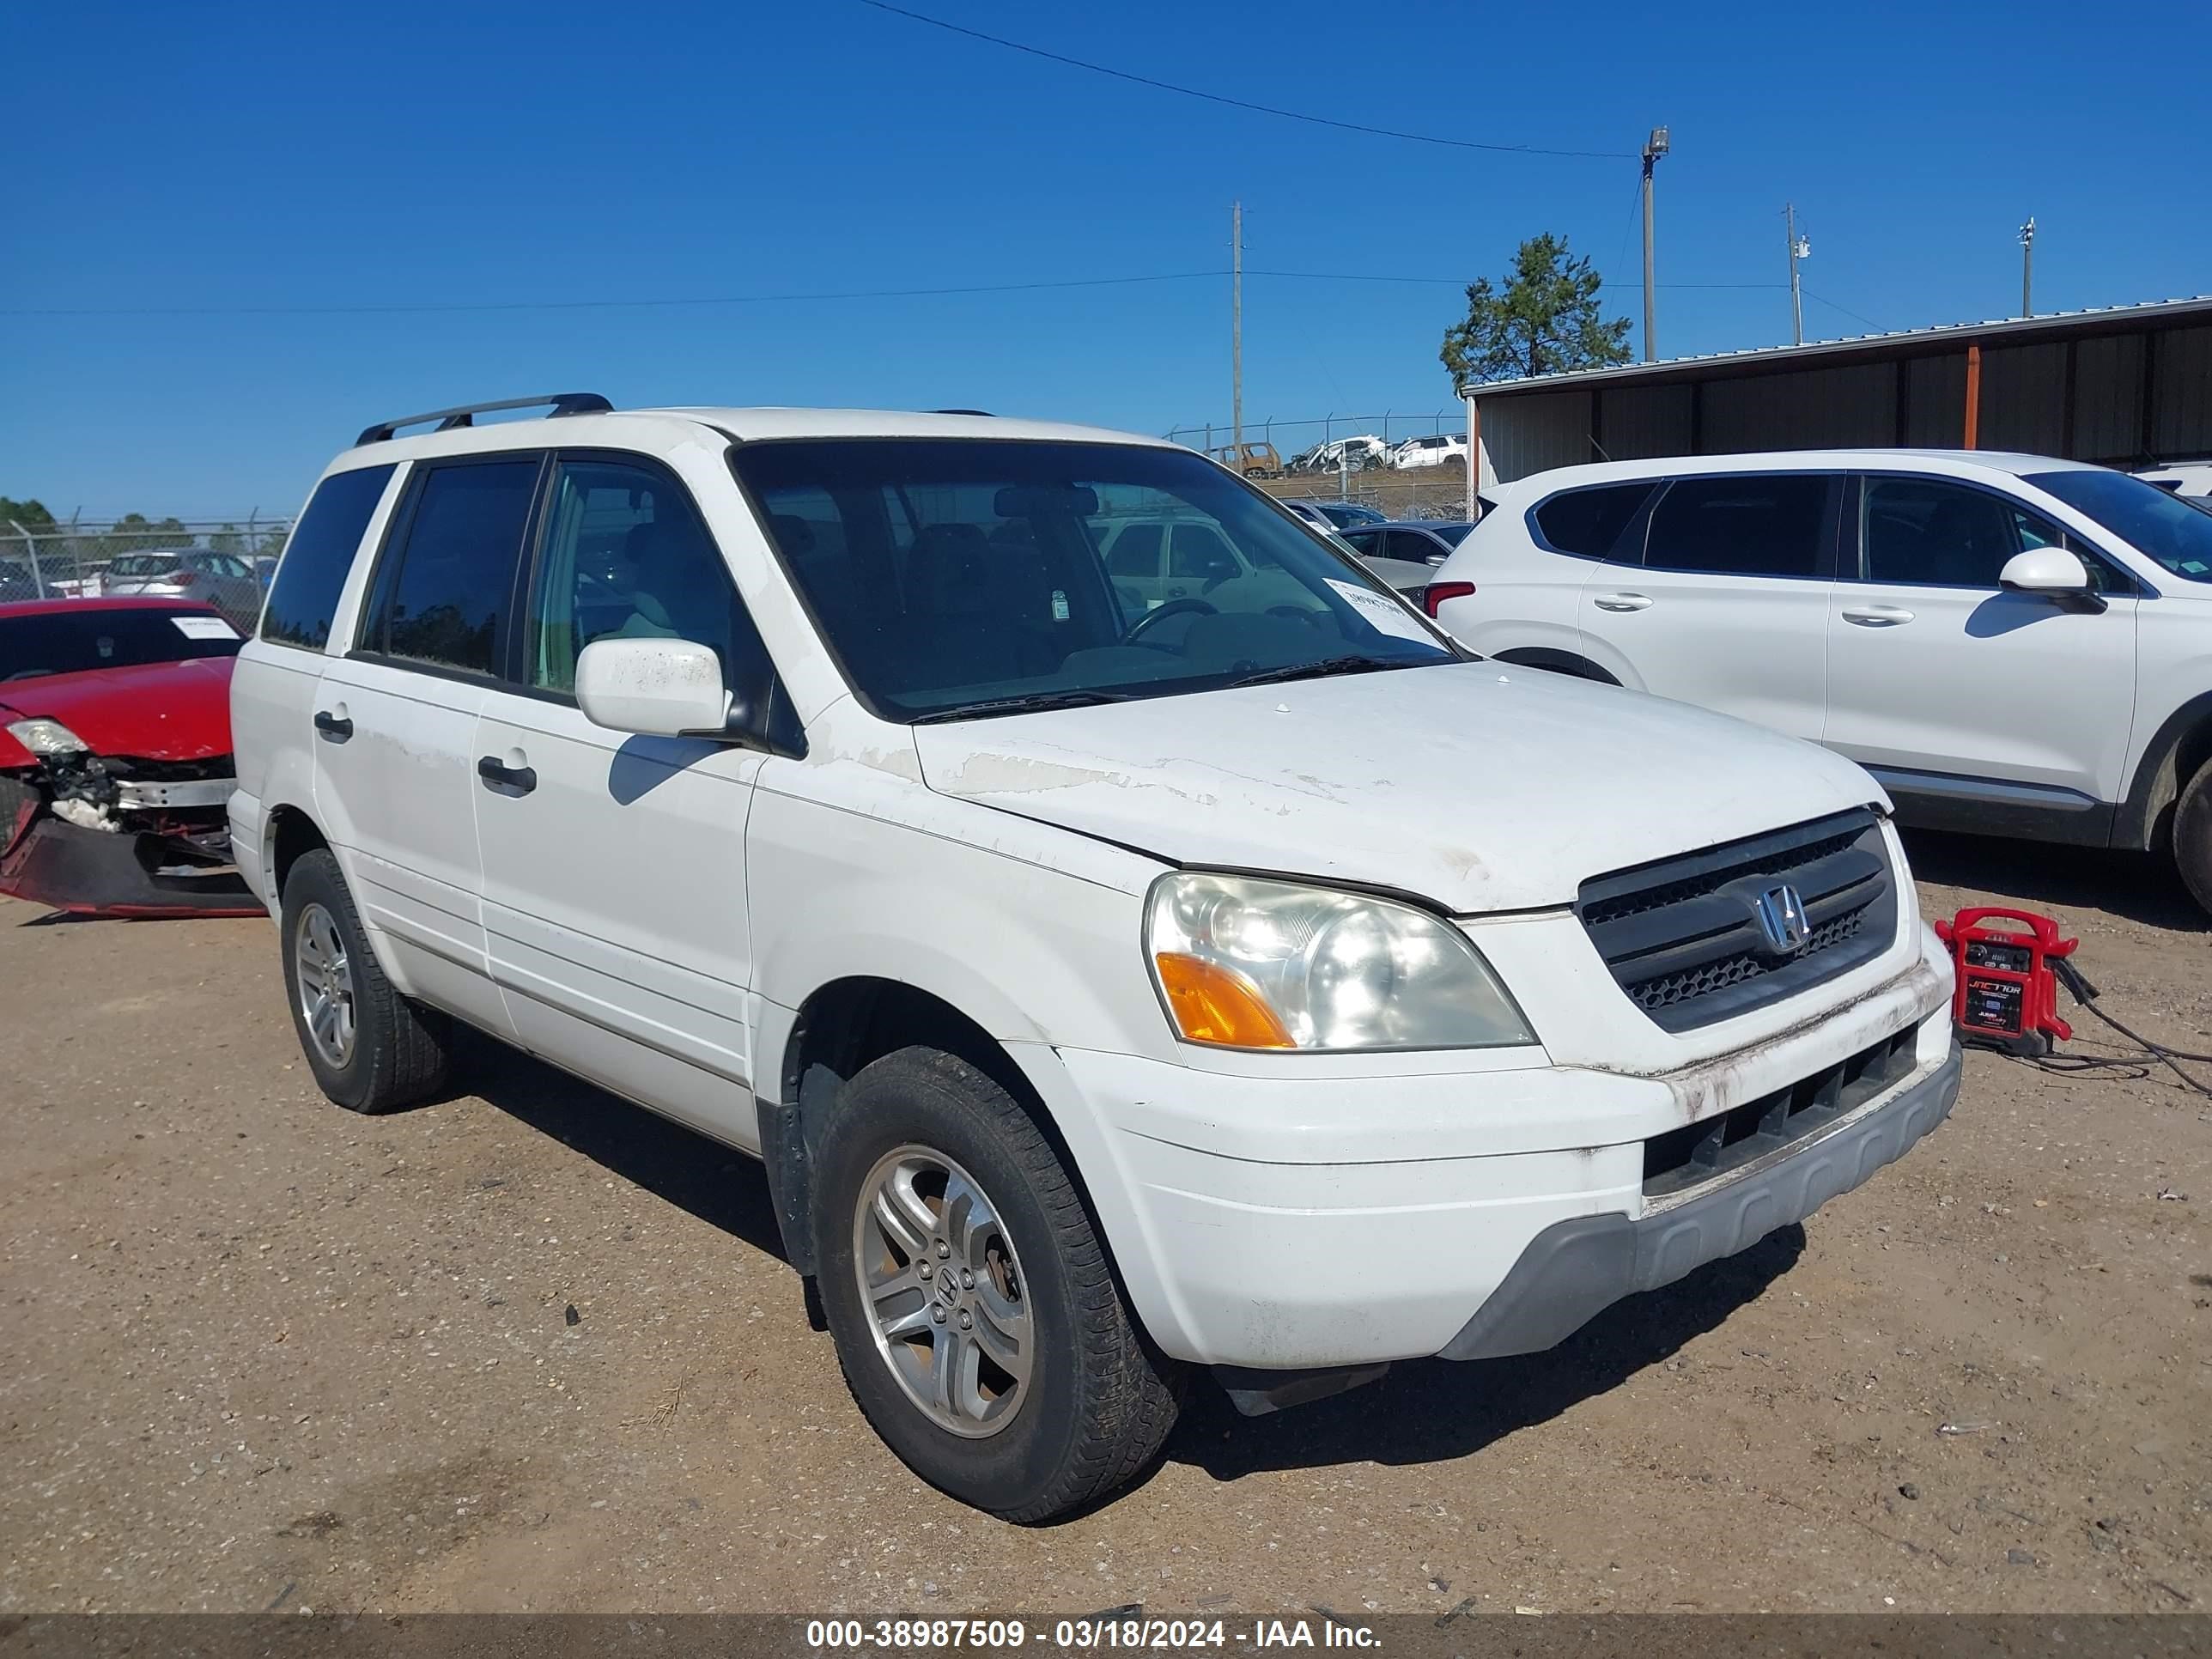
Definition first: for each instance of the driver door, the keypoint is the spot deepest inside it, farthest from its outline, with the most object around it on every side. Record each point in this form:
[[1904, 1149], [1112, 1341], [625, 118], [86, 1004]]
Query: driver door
[[609, 966]]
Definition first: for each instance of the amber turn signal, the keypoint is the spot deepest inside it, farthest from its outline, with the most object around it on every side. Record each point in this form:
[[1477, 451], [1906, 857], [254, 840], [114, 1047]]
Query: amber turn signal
[[1211, 1004]]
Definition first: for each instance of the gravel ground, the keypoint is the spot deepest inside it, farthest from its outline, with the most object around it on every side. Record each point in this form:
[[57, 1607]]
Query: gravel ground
[[262, 1355]]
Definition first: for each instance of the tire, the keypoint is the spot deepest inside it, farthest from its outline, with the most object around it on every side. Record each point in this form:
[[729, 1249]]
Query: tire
[[396, 1050], [1095, 1407], [2192, 836]]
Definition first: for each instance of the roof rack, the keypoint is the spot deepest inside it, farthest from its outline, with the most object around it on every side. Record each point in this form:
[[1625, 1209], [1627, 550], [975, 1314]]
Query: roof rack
[[563, 403]]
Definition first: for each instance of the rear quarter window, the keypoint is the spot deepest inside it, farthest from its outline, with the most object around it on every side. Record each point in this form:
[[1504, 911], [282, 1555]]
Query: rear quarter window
[[1587, 523], [311, 572]]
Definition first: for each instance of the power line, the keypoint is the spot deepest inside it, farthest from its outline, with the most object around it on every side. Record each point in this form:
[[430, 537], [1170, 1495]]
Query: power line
[[606, 305], [1239, 103], [819, 298], [1461, 281], [1879, 328]]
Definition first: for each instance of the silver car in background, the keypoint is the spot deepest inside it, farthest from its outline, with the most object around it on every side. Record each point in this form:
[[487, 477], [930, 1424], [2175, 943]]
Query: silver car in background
[[223, 580]]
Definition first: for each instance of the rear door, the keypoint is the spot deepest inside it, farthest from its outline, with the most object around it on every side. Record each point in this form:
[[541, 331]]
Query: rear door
[[1940, 680], [1529, 567], [615, 863], [395, 722], [1728, 607]]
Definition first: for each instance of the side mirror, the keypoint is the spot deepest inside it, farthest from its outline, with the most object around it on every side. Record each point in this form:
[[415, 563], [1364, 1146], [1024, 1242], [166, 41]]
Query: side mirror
[[2051, 572], [657, 687]]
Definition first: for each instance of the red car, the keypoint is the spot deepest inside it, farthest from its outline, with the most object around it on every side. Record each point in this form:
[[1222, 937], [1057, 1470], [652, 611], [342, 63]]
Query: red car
[[115, 766]]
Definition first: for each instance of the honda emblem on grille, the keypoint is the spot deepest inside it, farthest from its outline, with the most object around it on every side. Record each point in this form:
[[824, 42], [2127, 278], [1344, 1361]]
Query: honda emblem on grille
[[1782, 920]]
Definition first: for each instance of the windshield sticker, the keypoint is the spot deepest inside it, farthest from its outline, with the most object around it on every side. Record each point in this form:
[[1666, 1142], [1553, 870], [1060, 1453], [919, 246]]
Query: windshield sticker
[[204, 628], [1381, 614]]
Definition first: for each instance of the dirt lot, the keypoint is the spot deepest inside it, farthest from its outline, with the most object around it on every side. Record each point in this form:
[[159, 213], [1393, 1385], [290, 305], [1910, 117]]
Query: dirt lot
[[260, 1354]]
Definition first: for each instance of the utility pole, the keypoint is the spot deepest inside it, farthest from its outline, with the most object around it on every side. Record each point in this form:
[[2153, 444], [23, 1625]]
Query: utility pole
[[1799, 249], [1653, 148], [2027, 269], [1236, 334]]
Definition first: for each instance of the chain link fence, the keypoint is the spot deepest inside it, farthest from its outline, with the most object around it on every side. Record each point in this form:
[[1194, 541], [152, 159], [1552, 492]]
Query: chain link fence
[[220, 563], [1350, 457]]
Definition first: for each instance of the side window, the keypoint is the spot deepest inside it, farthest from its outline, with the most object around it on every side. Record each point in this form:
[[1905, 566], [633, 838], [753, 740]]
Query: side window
[[1136, 551], [312, 570], [444, 598], [1412, 546], [2035, 530], [626, 557], [1926, 532], [1198, 553], [1588, 522], [1758, 524], [1366, 542]]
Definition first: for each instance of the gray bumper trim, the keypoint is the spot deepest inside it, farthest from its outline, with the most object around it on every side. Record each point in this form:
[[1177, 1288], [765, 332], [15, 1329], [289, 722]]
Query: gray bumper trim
[[1574, 1268]]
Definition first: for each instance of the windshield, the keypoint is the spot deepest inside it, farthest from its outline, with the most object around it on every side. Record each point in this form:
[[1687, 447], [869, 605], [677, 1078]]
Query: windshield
[[950, 575], [2158, 525], [72, 642]]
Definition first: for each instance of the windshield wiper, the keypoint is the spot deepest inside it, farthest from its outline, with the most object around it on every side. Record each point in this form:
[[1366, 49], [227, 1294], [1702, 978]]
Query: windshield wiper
[[1034, 703], [1326, 668]]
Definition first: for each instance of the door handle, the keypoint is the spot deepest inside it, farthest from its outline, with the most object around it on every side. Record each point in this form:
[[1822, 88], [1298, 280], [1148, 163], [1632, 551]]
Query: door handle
[[1623, 602], [336, 728], [1876, 616], [504, 779]]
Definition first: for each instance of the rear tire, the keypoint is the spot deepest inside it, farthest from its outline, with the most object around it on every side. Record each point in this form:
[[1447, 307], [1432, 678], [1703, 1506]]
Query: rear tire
[[1091, 1406], [371, 1048], [2192, 836]]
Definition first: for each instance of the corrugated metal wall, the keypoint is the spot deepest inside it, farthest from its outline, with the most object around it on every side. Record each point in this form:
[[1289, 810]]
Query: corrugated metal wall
[[1806, 409], [1520, 435], [1935, 401], [2108, 397], [2024, 400], [1638, 421], [2181, 421], [1853, 405]]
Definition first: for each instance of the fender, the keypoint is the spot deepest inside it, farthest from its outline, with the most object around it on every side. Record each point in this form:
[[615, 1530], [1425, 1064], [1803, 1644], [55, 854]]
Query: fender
[[2159, 777]]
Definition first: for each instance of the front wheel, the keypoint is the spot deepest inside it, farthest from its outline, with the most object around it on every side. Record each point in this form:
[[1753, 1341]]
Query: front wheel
[[975, 1312], [2192, 836]]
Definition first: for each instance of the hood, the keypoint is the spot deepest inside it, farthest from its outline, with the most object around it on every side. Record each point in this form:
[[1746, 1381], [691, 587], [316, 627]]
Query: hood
[[1477, 786], [155, 711]]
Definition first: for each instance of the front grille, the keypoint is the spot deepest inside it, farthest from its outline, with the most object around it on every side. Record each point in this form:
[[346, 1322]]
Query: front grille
[[1698, 1153], [1682, 936]]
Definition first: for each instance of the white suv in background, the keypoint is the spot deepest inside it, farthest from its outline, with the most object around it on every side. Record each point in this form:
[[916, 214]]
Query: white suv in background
[[1411, 454], [2011, 644], [1251, 982]]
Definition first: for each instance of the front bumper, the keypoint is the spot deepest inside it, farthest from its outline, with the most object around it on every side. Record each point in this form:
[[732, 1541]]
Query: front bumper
[[94, 873], [1575, 1269], [1350, 1212]]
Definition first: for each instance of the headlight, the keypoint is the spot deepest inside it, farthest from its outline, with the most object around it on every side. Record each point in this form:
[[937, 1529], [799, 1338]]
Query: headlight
[[1244, 964], [47, 737]]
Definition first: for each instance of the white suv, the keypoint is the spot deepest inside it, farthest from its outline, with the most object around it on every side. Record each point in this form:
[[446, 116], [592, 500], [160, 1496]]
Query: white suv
[[2012, 645], [1249, 981], [1411, 454]]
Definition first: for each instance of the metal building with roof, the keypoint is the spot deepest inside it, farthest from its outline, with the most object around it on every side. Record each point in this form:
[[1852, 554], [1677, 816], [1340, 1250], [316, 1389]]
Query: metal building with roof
[[2126, 386]]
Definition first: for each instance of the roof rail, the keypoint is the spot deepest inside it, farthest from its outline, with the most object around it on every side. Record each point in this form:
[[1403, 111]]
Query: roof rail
[[985, 413], [563, 403]]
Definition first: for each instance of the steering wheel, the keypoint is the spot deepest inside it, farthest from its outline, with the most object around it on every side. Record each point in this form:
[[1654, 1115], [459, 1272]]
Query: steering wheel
[[1183, 607]]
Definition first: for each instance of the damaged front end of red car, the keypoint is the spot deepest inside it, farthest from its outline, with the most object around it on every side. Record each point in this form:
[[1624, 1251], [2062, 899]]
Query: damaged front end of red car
[[110, 835]]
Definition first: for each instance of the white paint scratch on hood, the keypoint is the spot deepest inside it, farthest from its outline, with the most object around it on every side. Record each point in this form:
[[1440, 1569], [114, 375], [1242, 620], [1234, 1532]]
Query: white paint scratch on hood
[[1478, 786]]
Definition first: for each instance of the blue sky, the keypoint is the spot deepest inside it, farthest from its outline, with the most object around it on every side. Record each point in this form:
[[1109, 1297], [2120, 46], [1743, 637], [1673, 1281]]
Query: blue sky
[[235, 161]]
